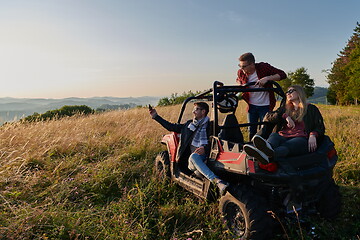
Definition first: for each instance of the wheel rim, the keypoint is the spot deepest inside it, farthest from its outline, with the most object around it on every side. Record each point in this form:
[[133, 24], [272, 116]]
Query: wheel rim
[[160, 169], [235, 219]]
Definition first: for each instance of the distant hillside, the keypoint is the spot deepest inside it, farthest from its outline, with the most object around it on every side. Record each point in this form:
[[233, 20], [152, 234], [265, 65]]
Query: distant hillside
[[319, 96], [17, 108]]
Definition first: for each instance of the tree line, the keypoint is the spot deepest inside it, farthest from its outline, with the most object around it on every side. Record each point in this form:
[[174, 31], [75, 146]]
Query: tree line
[[344, 76], [176, 98]]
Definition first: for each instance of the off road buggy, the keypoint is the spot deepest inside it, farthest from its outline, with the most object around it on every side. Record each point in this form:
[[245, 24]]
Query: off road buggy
[[300, 184]]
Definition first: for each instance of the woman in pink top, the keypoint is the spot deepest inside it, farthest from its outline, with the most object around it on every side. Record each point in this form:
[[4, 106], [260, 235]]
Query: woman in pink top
[[300, 126]]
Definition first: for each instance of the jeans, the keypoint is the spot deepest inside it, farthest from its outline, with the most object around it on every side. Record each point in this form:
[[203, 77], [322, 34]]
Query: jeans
[[288, 146], [197, 162], [256, 114]]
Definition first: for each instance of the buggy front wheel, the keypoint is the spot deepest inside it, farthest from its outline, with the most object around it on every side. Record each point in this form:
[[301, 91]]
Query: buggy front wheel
[[162, 165], [244, 214]]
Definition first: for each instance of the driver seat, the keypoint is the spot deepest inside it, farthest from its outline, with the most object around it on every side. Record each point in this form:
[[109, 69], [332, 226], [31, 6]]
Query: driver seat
[[231, 131]]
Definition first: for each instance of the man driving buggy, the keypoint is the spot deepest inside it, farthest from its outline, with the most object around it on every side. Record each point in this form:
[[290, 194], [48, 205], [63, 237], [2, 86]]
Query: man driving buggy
[[194, 141]]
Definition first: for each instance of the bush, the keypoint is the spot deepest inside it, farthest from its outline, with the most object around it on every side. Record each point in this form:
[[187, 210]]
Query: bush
[[65, 111], [108, 107]]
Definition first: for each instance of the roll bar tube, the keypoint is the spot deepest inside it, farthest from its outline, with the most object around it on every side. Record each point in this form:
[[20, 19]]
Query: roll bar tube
[[218, 87]]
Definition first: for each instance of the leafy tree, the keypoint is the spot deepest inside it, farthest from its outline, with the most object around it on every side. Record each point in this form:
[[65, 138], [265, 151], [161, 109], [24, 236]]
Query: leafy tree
[[299, 77], [352, 70], [331, 95], [164, 101], [176, 99], [344, 76], [285, 83]]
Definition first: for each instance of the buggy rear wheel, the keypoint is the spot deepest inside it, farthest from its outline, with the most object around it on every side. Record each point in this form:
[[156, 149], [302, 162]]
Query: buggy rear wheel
[[245, 214], [162, 165]]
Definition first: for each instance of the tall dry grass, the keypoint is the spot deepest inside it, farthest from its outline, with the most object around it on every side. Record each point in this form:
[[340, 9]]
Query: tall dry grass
[[343, 127], [84, 177], [23, 143]]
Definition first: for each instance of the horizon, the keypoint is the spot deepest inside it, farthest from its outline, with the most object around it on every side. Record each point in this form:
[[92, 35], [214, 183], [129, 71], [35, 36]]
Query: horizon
[[78, 97], [61, 49], [106, 96]]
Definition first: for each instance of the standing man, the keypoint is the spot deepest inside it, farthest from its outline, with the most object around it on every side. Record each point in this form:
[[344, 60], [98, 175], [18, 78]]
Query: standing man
[[260, 73], [194, 141]]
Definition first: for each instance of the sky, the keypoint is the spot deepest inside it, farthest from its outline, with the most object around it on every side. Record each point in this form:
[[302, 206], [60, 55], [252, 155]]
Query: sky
[[118, 48]]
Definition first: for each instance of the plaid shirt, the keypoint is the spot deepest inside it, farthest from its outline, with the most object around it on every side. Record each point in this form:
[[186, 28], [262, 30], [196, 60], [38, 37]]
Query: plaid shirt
[[262, 69]]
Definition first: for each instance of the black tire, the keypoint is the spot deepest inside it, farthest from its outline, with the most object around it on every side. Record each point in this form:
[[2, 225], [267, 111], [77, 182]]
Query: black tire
[[329, 205], [162, 165], [245, 214]]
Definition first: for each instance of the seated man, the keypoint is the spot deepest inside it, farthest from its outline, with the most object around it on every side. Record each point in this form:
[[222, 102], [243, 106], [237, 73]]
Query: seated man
[[194, 138]]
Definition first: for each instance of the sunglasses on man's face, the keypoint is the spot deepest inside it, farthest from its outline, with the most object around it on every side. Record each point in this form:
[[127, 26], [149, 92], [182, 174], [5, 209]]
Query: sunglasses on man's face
[[243, 66], [290, 91]]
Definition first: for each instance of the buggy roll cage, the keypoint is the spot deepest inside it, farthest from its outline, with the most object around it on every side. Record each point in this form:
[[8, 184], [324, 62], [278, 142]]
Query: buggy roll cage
[[219, 88]]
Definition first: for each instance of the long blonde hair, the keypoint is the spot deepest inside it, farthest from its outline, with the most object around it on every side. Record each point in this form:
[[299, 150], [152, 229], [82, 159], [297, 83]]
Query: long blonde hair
[[297, 115]]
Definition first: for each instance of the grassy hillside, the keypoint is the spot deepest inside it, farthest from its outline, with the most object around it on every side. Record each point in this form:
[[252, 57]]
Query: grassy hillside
[[91, 178]]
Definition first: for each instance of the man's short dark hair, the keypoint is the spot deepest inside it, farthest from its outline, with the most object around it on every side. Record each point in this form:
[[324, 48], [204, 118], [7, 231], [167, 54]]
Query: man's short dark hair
[[248, 57], [203, 105]]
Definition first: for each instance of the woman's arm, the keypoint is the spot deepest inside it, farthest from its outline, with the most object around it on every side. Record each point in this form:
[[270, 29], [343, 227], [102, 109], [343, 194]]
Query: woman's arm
[[315, 126], [314, 121]]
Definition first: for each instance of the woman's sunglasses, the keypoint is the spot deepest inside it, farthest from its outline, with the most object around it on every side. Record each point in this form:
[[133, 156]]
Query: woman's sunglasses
[[290, 91]]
